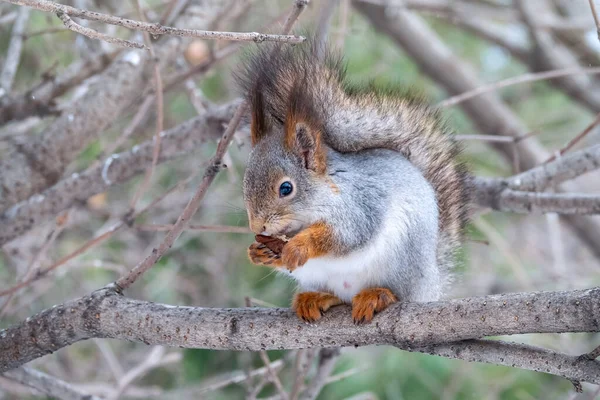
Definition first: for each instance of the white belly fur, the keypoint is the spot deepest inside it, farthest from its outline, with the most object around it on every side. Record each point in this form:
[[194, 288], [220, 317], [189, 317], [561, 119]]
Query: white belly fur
[[364, 268]]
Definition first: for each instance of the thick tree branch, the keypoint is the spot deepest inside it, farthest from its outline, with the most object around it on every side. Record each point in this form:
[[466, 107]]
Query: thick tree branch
[[153, 28], [107, 314], [117, 168], [40, 99]]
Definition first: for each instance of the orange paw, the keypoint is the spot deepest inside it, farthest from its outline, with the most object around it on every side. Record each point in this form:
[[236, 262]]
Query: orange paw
[[261, 255], [370, 301], [310, 306], [294, 254]]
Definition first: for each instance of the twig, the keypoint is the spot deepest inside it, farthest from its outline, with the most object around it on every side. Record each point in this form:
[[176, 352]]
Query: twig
[[47, 384], [153, 28], [97, 240], [158, 93], [575, 140], [327, 359], [592, 355], [323, 25], [109, 356], [133, 125], [93, 34], [299, 6], [61, 221], [596, 19], [38, 100], [229, 379], [190, 209], [13, 54], [192, 227], [155, 359], [529, 77]]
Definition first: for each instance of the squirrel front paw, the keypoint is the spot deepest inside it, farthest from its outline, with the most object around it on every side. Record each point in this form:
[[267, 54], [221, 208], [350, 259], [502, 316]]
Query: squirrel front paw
[[260, 254], [310, 306], [294, 254], [370, 301]]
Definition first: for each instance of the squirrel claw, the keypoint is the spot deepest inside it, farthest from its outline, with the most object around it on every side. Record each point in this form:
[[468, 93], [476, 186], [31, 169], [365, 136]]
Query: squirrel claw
[[370, 301], [261, 255], [310, 306]]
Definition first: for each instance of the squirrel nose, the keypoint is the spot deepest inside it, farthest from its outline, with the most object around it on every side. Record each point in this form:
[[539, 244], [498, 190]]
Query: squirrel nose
[[257, 226]]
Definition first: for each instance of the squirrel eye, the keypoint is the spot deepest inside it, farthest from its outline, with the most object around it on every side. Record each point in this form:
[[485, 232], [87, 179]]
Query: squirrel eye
[[285, 189]]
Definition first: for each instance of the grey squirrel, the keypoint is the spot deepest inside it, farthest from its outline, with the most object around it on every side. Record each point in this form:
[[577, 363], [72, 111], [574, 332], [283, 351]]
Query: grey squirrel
[[365, 187]]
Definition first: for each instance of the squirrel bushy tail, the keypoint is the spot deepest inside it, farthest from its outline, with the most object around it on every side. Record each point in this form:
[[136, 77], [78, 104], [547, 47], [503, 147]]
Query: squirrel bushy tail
[[280, 80]]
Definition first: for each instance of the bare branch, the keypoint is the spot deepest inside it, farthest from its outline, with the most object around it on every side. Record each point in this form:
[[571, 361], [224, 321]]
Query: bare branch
[[40, 99], [13, 54], [198, 228], [160, 116], [596, 18], [192, 206], [527, 202], [117, 168], [529, 77], [153, 28], [327, 359], [576, 139], [93, 34], [299, 6], [47, 384], [411, 326]]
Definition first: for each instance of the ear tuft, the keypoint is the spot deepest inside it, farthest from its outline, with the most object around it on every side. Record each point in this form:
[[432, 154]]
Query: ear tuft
[[306, 141], [259, 125]]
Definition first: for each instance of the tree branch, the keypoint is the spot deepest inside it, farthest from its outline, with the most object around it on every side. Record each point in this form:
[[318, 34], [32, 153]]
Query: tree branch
[[40, 99], [117, 168], [153, 28], [93, 34], [527, 202], [47, 384], [107, 314], [13, 54]]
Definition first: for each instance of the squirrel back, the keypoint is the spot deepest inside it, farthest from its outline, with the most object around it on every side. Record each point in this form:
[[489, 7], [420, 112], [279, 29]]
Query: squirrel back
[[292, 82]]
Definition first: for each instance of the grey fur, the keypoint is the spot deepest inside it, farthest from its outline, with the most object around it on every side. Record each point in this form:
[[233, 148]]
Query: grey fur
[[374, 187]]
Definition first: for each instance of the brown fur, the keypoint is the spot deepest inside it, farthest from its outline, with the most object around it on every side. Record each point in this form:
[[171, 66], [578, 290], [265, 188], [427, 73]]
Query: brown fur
[[370, 301], [314, 241], [310, 306]]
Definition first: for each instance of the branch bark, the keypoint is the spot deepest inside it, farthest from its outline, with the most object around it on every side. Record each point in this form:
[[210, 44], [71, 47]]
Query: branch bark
[[107, 314], [117, 168], [153, 28], [40, 100]]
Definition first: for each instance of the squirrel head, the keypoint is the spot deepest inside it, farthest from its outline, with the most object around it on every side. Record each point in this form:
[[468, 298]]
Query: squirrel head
[[286, 171]]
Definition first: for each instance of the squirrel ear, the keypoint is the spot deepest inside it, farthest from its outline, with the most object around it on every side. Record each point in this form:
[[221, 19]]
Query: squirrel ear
[[259, 124], [306, 141]]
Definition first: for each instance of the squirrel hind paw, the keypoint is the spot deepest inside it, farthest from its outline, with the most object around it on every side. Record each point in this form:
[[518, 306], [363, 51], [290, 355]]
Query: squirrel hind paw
[[260, 254], [370, 301], [310, 306]]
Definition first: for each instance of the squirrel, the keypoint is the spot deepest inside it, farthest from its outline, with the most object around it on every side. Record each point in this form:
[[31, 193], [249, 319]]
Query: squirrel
[[367, 185]]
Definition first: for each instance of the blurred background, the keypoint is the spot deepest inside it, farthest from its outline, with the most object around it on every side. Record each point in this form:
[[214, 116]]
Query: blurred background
[[492, 39]]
